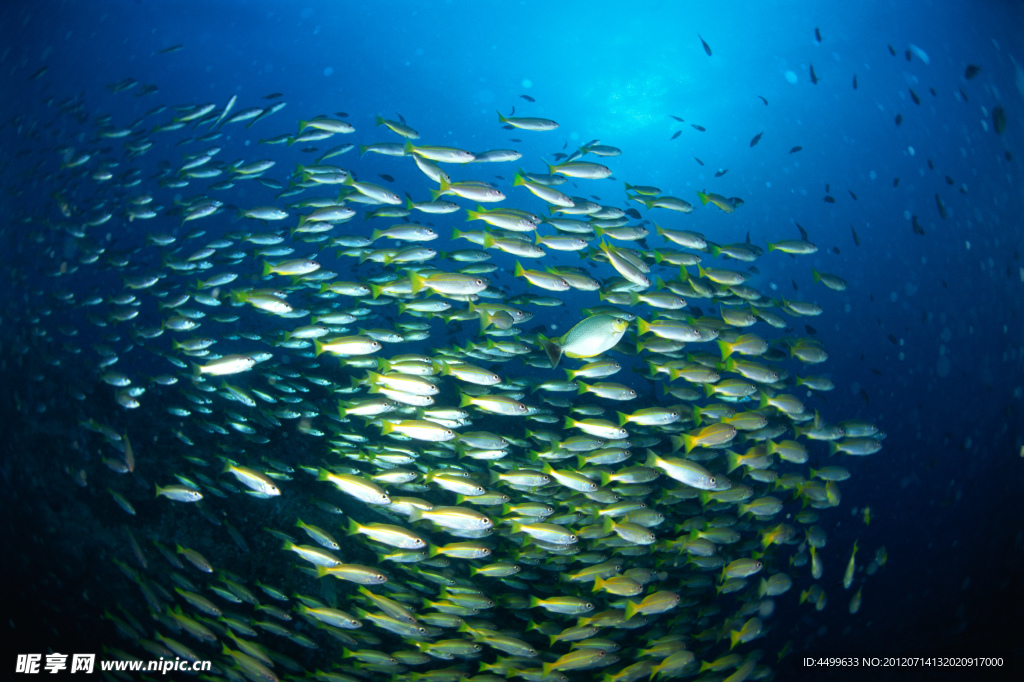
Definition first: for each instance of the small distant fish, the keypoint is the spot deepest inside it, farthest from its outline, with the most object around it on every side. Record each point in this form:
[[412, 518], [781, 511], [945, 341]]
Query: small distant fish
[[971, 71], [172, 48], [757, 138], [309, 150], [273, 95], [817, 34], [385, 176], [707, 48], [895, 182], [941, 206], [512, 139], [763, 100], [829, 199], [963, 94], [999, 120], [528, 98], [899, 119], [916, 225], [721, 172], [854, 81], [676, 118], [39, 73], [697, 127], [913, 96], [814, 76], [344, 114], [633, 213], [931, 165], [892, 51], [949, 180], [921, 54], [698, 160], [676, 134], [932, 90], [795, 149], [856, 239]]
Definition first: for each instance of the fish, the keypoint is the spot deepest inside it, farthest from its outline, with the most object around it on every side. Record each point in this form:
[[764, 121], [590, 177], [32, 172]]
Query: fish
[[707, 48], [678, 118], [676, 134], [999, 120], [528, 123], [817, 34], [814, 76], [794, 150], [971, 71], [916, 226], [854, 81], [697, 127], [717, 200], [763, 100], [588, 338], [171, 49], [756, 139], [527, 98]]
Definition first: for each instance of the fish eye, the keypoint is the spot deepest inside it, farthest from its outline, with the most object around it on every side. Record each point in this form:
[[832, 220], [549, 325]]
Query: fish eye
[[478, 281], [712, 481], [573, 538]]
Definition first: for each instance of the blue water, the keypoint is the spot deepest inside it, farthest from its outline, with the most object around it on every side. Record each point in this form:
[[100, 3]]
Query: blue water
[[927, 341]]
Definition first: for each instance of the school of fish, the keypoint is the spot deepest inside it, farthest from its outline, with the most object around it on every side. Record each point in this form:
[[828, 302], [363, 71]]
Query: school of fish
[[385, 460]]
